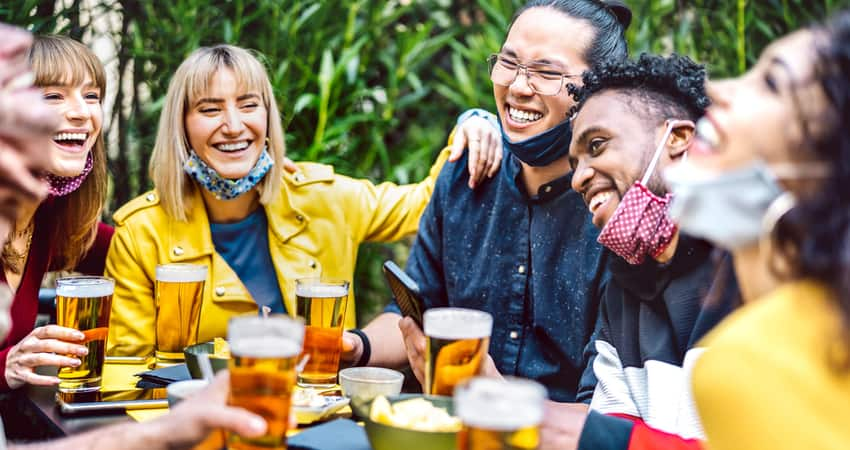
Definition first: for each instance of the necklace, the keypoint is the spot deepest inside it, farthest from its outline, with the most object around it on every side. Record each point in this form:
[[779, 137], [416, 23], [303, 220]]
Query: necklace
[[12, 258]]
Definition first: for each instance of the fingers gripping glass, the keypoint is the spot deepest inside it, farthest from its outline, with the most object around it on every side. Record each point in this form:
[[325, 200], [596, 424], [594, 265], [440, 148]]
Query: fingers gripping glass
[[543, 79]]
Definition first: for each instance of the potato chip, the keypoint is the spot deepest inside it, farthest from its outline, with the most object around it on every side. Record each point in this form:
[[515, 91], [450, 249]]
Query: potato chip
[[414, 414], [221, 349]]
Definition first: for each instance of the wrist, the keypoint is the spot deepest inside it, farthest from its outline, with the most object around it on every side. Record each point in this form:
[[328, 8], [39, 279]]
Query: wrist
[[365, 348]]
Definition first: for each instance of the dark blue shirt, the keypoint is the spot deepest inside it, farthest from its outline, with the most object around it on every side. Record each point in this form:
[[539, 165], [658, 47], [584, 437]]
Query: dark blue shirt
[[245, 247], [531, 261]]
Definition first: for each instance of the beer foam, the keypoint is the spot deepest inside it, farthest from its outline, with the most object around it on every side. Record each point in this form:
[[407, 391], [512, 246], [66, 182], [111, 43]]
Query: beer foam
[[500, 405], [457, 323], [85, 287], [320, 290], [265, 347], [181, 273]]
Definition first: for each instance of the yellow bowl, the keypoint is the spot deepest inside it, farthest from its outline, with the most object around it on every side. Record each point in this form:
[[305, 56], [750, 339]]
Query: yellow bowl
[[387, 437]]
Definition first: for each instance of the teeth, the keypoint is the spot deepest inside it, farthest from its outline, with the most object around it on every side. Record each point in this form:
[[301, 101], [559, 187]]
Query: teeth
[[70, 136], [599, 199], [523, 116], [707, 132], [232, 147]]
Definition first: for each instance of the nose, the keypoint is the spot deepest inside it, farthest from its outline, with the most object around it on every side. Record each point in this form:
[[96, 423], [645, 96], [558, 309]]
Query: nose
[[720, 91], [520, 87], [78, 110], [582, 176], [233, 124]]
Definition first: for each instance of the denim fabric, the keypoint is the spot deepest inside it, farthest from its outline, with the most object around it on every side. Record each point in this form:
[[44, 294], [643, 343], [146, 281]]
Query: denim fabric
[[531, 261]]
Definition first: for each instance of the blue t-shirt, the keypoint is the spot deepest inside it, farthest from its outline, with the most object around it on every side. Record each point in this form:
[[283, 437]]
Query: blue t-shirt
[[245, 247]]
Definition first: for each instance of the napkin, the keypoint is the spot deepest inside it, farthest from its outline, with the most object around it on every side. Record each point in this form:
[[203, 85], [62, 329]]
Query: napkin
[[163, 377], [340, 434]]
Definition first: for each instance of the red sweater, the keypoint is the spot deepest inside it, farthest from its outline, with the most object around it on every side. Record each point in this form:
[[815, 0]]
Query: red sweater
[[25, 304]]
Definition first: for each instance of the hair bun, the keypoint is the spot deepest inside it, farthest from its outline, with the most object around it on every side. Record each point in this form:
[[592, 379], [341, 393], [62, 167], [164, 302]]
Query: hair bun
[[621, 10]]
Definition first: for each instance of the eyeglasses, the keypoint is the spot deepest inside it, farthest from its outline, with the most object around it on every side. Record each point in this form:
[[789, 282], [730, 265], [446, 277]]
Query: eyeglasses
[[543, 79]]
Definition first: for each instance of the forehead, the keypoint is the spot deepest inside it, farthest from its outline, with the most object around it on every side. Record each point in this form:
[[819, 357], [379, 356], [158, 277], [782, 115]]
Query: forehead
[[546, 33], [223, 83], [795, 53], [609, 110]]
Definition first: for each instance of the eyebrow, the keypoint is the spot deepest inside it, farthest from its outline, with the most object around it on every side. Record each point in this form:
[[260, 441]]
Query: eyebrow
[[509, 52], [585, 134], [221, 100]]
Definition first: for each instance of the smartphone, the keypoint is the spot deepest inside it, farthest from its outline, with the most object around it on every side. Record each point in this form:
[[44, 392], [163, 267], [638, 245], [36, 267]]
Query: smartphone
[[406, 292], [75, 403]]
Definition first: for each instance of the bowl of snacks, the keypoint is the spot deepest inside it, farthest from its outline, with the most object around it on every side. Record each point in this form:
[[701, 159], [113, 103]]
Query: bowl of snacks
[[218, 351], [412, 422], [363, 384]]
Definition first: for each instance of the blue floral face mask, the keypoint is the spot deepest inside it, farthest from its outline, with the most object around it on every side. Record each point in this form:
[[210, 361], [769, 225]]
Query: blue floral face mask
[[223, 188]]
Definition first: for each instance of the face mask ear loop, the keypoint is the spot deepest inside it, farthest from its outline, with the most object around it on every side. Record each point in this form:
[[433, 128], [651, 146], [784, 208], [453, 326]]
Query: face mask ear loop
[[651, 168]]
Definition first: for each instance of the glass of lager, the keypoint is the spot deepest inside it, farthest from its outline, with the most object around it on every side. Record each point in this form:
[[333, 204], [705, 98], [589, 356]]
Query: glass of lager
[[321, 303], [264, 355], [179, 294], [499, 414], [457, 343], [84, 303]]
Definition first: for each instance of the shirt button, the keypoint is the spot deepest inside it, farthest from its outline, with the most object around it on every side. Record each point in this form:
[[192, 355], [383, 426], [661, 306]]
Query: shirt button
[[299, 218], [219, 291], [547, 189], [312, 264], [150, 197], [514, 334], [177, 251], [521, 269], [297, 177]]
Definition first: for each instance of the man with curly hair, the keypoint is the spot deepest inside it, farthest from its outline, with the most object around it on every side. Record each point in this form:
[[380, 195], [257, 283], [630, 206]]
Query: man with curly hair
[[632, 120]]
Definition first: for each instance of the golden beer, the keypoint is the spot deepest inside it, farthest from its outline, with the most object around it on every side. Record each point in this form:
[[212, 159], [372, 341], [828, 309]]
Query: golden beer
[[84, 303], [457, 342], [264, 355], [322, 306], [499, 414], [179, 295]]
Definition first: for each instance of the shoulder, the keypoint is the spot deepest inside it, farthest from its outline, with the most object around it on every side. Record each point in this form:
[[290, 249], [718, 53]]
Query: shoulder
[[309, 173], [144, 205]]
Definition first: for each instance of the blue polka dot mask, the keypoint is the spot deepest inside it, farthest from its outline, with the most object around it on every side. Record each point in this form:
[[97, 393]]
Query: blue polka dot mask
[[223, 188]]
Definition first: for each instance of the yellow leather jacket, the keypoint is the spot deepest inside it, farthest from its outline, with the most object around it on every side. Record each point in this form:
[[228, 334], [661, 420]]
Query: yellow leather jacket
[[316, 226]]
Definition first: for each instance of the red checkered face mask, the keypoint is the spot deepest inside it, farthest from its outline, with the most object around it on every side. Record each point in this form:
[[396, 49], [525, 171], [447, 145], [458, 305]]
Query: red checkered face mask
[[640, 225]]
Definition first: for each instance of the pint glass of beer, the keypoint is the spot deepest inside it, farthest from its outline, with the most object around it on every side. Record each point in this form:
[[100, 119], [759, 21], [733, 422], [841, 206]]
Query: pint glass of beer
[[457, 343], [179, 294], [321, 303], [264, 354], [499, 414], [84, 303]]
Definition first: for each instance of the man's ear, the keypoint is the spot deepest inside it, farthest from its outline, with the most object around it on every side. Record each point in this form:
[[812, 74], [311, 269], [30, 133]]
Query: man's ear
[[681, 138]]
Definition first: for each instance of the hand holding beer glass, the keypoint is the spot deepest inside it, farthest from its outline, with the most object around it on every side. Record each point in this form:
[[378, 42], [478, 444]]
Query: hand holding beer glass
[[179, 295], [321, 303], [264, 355], [457, 342], [499, 414], [84, 303]]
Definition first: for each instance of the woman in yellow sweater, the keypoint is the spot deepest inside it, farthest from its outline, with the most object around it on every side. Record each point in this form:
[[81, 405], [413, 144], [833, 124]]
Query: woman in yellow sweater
[[223, 200], [769, 180]]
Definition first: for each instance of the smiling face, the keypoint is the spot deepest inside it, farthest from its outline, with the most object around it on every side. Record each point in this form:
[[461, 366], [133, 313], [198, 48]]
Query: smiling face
[[226, 126], [81, 115], [763, 113], [538, 37], [611, 148]]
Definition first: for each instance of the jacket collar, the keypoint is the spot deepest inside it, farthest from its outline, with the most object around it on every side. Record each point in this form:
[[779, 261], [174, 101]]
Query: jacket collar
[[648, 280]]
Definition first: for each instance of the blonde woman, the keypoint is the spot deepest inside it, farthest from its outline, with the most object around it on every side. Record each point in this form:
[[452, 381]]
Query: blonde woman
[[222, 199], [62, 232]]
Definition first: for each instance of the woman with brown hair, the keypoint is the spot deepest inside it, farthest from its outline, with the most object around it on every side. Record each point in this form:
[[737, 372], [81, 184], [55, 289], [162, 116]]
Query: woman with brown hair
[[63, 232]]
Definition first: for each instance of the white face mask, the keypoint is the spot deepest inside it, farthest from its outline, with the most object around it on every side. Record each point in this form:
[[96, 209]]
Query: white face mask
[[728, 208]]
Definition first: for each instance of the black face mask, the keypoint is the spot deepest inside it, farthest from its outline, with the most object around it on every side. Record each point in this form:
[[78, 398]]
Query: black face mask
[[544, 148]]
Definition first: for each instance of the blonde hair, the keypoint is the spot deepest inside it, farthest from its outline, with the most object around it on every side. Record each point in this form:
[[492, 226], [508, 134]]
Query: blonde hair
[[62, 61], [191, 82]]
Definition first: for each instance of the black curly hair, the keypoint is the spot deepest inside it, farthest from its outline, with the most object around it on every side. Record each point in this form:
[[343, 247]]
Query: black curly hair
[[666, 87], [815, 234]]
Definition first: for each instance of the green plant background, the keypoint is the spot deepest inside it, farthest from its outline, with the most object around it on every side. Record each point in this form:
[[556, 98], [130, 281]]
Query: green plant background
[[370, 86]]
